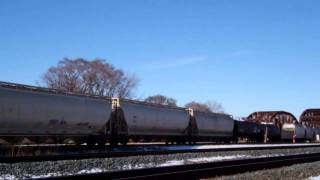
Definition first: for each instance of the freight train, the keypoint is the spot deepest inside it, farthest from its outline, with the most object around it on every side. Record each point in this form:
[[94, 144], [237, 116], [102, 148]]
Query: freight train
[[31, 114]]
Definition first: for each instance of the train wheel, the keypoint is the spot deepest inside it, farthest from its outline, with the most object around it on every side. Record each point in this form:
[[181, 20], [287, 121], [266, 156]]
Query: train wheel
[[26, 141], [68, 141], [49, 141], [124, 141], [90, 141], [3, 142], [101, 142], [113, 143]]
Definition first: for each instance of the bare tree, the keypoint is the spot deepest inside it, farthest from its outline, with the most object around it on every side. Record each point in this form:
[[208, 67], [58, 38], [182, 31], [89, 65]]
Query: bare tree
[[198, 106], [96, 77], [215, 106], [160, 99], [209, 106]]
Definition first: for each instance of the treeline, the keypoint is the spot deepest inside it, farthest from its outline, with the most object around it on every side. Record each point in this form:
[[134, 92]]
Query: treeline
[[98, 77], [209, 106]]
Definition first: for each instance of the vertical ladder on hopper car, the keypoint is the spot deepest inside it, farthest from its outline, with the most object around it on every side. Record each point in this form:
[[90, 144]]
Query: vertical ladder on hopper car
[[113, 131], [117, 129]]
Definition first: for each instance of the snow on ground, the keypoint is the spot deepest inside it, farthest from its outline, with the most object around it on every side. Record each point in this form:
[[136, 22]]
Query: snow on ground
[[172, 163], [315, 178], [137, 166], [7, 177], [218, 158], [45, 175], [94, 170], [85, 171], [247, 145], [202, 160], [184, 161]]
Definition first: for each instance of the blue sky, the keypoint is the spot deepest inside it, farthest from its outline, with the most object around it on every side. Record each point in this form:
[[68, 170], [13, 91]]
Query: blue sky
[[247, 55]]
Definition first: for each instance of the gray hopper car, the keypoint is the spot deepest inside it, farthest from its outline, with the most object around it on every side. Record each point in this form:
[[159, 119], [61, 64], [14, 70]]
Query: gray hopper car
[[30, 113], [214, 126]]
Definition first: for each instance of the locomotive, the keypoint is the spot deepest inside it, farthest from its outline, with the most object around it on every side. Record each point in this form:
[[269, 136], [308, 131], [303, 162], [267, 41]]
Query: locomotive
[[43, 115]]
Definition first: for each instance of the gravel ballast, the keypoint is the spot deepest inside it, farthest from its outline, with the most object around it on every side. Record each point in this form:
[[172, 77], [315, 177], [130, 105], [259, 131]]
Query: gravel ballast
[[68, 167]]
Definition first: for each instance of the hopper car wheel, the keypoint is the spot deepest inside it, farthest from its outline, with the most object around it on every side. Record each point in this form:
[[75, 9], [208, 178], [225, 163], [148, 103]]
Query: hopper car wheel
[[4, 141], [124, 141], [90, 141], [113, 143], [101, 141]]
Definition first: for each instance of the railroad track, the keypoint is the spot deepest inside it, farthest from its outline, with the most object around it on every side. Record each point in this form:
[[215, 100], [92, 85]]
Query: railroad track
[[203, 170], [149, 150]]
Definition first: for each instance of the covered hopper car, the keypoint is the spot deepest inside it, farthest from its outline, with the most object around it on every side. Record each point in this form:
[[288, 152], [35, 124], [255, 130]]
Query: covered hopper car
[[47, 115], [31, 114]]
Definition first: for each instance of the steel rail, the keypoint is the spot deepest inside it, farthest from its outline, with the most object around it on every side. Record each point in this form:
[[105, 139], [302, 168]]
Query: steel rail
[[203, 170], [137, 152]]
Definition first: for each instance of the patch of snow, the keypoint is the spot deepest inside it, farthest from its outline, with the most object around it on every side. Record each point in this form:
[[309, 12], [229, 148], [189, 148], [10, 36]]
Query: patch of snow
[[218, 158], [85, 171], [7, 176], [245, 146], [137, 166], [171, 163], [315, 178], [46, 175], [94, 170]]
